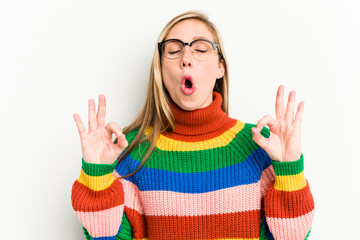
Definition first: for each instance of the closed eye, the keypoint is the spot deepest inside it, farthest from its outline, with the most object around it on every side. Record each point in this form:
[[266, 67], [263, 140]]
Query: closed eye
[[200, 51], [174, 52]]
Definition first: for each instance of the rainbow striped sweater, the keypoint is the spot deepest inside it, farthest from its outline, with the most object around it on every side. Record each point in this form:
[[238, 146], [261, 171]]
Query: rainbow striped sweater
[[206, 179]]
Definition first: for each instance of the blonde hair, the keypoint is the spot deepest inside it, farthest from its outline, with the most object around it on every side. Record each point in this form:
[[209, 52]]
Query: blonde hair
[[156, 113]]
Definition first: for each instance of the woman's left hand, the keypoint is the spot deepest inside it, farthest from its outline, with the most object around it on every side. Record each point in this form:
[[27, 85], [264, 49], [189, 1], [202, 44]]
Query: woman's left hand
[[284, 142]]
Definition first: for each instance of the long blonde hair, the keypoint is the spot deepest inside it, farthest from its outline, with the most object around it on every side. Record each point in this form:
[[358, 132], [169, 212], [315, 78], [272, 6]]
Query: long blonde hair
[[156, 112]]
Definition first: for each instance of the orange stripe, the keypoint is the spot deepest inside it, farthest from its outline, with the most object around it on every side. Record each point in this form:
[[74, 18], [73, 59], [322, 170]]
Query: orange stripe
[[137, 223], [232, 225], [203, 137], [284, 204], [86, 200]]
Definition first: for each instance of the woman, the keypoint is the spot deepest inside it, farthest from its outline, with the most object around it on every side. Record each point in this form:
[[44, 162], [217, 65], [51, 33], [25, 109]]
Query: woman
[[184, 169]]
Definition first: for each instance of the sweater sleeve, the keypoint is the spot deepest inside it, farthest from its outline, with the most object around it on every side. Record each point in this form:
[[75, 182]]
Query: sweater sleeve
[[107, 205], [98, 201], [288, 202]]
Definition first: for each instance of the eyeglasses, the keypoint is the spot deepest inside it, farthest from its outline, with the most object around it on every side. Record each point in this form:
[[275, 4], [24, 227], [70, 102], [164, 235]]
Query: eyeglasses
[[201, 49]]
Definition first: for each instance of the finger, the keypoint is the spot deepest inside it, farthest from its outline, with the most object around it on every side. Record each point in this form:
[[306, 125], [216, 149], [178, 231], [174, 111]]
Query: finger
[[259, 139], [299, 113], [279, 105], [80, 126], [266, 120], [111, 128], [122, 143], [92, 115], [289, 115], [101, 111]]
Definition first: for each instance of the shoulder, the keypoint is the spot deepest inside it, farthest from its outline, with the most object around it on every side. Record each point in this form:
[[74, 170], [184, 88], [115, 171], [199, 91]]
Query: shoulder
[[132, 160], [244, 129], [245, 147], [130, 136]]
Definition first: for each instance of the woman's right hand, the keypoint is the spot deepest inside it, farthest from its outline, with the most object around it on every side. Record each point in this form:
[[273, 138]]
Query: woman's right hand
[[97, 144]]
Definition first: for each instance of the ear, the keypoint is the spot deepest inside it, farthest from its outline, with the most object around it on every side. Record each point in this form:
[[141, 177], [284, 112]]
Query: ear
[[221, 69]]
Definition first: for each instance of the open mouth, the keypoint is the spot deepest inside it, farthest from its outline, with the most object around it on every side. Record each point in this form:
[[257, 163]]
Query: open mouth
[[187, 85]]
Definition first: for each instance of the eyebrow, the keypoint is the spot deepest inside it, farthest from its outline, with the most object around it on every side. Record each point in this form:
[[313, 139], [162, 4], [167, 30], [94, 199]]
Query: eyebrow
[[199, 37]]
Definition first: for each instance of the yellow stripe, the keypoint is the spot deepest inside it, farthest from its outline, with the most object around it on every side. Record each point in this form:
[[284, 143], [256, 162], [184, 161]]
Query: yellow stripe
[[220, 141], [97, 183], [290, 182]]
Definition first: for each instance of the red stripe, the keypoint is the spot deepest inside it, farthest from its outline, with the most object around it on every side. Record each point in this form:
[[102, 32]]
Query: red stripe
[[232, 225], [283, 204], [137, 223], [203, 137], [85, 200]]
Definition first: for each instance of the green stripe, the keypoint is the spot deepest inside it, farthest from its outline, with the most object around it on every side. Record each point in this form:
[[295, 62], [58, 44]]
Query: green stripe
[[124, 234], [138, 152], [265, 132], [94, 169], [263, 231], [125, 231], [87, 235], [289, 168], [235, 152], [308, 234]]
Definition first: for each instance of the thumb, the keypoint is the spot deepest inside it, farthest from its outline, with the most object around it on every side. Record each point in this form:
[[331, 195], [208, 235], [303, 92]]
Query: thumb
[[258, 138]]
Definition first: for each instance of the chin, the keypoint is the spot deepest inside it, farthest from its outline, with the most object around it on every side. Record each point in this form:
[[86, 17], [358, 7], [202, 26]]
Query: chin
[[191, 106], [188, 107], [189, 102]]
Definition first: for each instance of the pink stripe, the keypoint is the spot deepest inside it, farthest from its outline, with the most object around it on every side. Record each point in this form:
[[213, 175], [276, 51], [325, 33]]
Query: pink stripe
[[230, 200], [291, 228], [267, 177], [103, 223], [131, 194]]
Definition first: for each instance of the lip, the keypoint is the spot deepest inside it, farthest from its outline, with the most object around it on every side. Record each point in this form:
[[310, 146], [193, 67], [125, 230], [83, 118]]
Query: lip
[[187, 91]]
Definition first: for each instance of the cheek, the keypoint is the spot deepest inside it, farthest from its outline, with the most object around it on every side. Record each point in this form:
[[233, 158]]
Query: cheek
[[167, 74], [210, 70], [168, 68]]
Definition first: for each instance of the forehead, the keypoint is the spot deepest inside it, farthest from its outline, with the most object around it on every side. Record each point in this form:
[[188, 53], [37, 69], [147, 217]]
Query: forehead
[[189, 30]]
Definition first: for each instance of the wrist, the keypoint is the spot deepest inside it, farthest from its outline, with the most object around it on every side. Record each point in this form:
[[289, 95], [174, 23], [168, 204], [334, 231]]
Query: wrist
[[97, 169], [96, 176], [289, 176]]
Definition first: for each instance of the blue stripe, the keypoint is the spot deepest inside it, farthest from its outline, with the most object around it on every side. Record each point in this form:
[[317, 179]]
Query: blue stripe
[[247, 172], [105, 238], [267, 230]]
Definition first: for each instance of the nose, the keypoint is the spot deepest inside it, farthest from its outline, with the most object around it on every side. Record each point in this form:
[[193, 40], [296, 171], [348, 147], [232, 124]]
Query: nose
[[186, 58]]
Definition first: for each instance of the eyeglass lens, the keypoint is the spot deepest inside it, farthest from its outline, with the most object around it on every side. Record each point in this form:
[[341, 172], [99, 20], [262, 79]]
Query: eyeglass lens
[[200, 49]]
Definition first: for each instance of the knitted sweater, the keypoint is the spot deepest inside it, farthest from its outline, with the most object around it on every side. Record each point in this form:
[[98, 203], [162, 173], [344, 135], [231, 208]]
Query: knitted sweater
[[207, 179]]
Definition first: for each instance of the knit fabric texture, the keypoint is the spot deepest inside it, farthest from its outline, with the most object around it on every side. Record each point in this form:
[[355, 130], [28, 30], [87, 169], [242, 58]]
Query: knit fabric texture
[[206, 179]]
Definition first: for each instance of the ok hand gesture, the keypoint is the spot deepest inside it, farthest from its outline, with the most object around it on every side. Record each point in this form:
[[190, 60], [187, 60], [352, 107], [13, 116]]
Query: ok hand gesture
[[284, 142], [97, 145]]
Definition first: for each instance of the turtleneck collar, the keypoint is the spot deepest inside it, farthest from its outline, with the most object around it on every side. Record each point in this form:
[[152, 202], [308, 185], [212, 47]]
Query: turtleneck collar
[[200, 121]]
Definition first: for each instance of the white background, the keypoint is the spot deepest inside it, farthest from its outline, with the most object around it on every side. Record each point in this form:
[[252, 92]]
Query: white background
[[55, 55]]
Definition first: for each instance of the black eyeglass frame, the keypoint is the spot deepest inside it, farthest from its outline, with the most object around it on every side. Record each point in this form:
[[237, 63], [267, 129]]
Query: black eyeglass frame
[[214, 45]]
